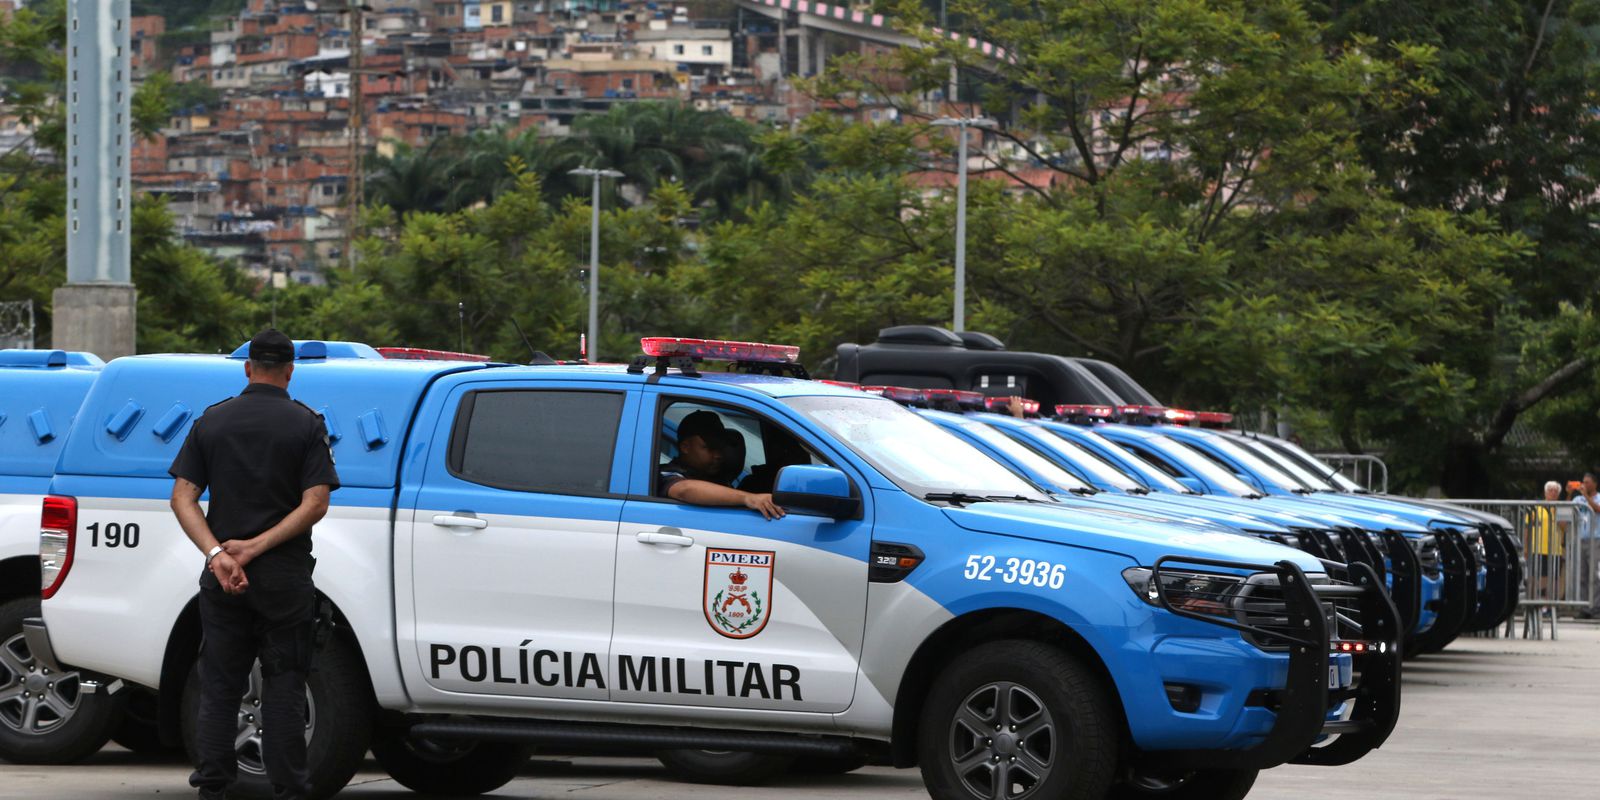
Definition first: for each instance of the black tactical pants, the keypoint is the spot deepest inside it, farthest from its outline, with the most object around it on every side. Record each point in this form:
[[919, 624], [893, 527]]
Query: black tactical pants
[[274, 619]]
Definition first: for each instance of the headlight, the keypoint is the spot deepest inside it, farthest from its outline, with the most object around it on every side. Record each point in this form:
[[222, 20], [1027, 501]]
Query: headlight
[[1195, 592]]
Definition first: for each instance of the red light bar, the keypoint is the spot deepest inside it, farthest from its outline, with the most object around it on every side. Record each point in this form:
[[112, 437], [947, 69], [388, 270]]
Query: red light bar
[[1359, 647], [959, 397], [424, 354], [844, 384], [1094, 412], [662, 346], [1002, 405], [1219, 419], [899, 394], [1179, 416]]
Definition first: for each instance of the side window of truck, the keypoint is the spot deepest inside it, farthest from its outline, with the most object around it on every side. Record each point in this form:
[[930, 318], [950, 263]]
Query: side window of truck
[[552, 441], [753, 449]]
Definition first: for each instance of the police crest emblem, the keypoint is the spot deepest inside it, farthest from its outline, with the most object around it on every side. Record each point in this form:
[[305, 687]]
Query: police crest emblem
[[738, 591]]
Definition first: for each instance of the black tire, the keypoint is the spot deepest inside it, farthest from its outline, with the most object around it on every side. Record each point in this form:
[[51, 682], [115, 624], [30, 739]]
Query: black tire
[[1211, 784], [340, 725], [140, 728], [66, 725], [723, 767], [1058, 730], [461, 768], [828, 765]]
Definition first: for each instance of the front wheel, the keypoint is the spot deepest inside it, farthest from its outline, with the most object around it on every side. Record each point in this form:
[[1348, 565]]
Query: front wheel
[[724, 767], [46, 717], [1012, 720], [1210, 784], [338, 724], [441, 767]]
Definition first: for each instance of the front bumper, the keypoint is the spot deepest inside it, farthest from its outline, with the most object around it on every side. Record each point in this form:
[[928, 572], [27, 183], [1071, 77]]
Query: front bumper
[[1304, 730]]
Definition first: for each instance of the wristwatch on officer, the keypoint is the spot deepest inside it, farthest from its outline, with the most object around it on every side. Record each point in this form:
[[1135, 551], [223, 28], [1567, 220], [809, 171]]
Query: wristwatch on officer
[[212, 553]]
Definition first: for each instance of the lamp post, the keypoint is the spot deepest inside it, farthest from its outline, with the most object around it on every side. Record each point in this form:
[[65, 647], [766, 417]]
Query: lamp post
[[594, 176], [961, 124]]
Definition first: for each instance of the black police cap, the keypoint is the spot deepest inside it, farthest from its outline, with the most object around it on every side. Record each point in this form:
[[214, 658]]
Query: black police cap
[[271, 346]]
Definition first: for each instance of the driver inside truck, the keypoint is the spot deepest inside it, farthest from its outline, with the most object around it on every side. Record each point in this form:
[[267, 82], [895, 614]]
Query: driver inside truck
[[698, 475]]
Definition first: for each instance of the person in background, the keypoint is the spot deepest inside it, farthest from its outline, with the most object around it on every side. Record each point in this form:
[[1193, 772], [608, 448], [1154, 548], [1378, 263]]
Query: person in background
[[1545, 544], [1588, 520]]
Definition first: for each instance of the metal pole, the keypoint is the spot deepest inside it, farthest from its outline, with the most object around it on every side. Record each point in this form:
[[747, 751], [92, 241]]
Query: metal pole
[[353, 184], [961, 231], [594, 271]]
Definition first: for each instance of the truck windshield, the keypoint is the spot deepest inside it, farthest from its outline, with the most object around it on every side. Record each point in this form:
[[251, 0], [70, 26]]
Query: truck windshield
[[1206, 469], [1146, 474], [1276, 459], [1255, 466], [916, 454], [1092, 465], [1058, 478], [1293, 451]]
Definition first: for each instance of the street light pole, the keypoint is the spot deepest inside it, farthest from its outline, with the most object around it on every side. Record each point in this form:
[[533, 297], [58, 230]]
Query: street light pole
[[594, 176], [961, 124]]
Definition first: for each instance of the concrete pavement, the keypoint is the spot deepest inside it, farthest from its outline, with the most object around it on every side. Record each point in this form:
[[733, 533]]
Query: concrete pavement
[[1489, 718]]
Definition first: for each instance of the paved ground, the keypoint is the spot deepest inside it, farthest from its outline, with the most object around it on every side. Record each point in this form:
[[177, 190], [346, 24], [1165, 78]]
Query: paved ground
[[1487, 719]]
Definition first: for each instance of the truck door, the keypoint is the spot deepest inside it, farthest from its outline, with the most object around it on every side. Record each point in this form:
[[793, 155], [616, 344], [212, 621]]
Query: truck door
[[721, 607], [513, 542]]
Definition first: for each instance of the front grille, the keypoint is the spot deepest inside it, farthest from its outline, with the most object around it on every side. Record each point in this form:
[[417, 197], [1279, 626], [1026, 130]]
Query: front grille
[[1259, 605]]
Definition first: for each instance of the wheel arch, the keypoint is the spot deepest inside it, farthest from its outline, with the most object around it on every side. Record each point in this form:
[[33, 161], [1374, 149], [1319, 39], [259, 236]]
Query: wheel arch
[[19, 577], [183, 647], [962, 633]]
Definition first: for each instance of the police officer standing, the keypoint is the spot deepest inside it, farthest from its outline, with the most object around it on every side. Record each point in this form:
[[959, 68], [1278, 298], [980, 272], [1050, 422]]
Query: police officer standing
[[267, 461]]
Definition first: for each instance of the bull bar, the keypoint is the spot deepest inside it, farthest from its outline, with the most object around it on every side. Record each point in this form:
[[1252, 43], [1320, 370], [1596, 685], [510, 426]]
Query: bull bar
[[1304, 702]]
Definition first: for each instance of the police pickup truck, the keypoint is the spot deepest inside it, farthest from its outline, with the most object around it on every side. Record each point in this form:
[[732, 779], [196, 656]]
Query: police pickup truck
[[503, 573], [45, 717]]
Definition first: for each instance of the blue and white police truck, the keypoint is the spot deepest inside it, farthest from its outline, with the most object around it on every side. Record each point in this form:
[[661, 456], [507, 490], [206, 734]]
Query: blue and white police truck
[[503, 573], [46, 716]]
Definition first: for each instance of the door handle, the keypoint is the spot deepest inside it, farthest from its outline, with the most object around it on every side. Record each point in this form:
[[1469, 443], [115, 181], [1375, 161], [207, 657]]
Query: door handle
[[454, 521], [659, 537]]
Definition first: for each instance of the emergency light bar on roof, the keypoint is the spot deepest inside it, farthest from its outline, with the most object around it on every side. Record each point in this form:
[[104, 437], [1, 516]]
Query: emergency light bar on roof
[[756, 357], [1213, 419], [424, 354], [1002, 405], [955, 397], [899, 394], [1073, 411]]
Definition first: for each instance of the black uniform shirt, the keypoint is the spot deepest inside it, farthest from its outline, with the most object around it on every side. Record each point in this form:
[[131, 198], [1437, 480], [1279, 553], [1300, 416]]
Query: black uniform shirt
[[258, 453], [674, 472]]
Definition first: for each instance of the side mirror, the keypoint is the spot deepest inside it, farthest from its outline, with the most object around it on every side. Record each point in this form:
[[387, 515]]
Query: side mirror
[[811, 487]]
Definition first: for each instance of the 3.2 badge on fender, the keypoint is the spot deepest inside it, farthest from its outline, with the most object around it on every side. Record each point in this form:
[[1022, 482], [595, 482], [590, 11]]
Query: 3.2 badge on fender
[[738, 591]]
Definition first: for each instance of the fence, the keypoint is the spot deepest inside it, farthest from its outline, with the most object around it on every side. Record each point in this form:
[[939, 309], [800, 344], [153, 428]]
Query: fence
[[1561, 551], [1369, 471], [16, 324]]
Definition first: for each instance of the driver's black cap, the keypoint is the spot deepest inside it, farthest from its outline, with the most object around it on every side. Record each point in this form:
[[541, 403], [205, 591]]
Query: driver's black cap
[[272, 346]]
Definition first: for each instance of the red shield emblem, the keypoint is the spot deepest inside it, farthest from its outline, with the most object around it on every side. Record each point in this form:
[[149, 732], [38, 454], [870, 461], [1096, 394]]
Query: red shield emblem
[[738, 591]]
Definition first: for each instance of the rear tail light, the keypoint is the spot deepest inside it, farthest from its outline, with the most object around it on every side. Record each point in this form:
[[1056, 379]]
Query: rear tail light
[[58, 534]]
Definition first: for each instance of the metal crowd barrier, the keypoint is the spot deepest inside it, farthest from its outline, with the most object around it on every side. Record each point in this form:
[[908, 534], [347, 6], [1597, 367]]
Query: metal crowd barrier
[[1369, 471], [1561, 553]]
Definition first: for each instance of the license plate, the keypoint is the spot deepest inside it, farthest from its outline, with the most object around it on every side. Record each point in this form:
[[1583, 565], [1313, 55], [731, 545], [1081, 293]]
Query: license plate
[[1338, 668]]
